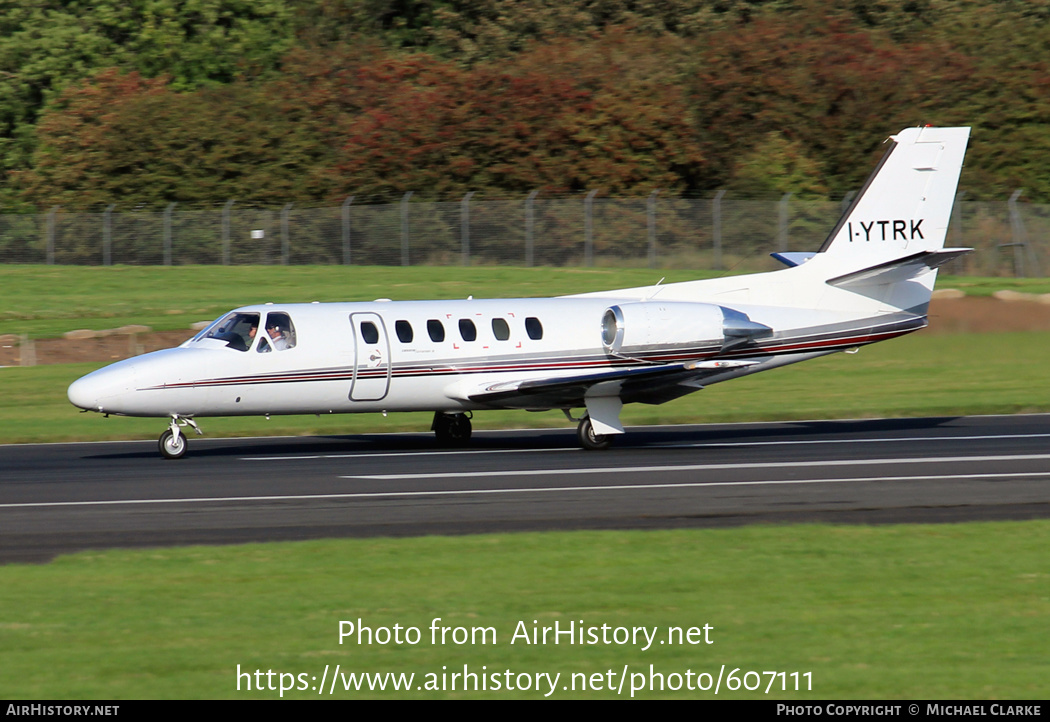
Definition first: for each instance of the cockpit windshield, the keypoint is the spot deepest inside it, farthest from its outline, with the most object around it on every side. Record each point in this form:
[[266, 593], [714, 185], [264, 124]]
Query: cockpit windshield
[[237, 330]]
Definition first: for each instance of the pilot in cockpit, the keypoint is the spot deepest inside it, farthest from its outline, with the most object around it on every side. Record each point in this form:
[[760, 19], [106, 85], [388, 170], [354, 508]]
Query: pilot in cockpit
[[277, 335], [280, 334]]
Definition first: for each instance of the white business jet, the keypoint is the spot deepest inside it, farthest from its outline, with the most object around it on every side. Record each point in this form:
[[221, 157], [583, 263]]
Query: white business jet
[[594, 352]]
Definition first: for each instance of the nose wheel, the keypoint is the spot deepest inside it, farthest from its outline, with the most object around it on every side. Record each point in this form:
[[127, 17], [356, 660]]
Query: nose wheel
[[172, 442]]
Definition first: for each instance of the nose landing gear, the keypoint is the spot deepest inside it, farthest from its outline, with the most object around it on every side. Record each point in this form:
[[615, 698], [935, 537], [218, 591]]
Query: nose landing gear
[[172, 442]]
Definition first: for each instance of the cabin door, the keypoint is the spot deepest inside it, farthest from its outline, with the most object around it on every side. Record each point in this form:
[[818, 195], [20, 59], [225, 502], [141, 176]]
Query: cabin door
[[371, 358]]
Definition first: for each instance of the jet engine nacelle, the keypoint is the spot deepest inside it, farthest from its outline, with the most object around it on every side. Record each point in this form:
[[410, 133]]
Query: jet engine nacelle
[[676, 325], [651, 325]]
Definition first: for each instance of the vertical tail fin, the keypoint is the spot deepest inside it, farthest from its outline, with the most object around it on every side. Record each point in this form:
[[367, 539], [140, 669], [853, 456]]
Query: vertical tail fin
[[905, 205], [882, 255], [888, 245]]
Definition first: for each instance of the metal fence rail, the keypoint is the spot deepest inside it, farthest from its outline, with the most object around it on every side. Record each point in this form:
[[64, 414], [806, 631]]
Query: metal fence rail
[[657, 231]]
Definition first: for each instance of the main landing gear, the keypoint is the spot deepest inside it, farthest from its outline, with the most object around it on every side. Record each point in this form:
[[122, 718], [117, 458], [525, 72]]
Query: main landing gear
[[589, 439], [173, 442], [585, 434], [451, 429]]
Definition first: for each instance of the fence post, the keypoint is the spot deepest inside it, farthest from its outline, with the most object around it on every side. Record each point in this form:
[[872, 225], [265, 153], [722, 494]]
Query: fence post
[[847, 200], [51, 231], [529, 241], [716, 228], [167, 233], [782, 222], [226, 232], [107, 235], [956, 219], [955, 226], [26, 351], [285, 245], [650, 220], [1022, 250], [464, 227], [404, 228], [346, 230], [588, 229]]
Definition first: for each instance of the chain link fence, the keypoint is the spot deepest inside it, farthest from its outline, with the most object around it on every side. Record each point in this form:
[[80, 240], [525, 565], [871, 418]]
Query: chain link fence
[[716, 233]]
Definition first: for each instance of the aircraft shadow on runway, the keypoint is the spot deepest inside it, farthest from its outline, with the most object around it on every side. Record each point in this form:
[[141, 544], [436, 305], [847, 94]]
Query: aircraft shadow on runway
[[641, 438]]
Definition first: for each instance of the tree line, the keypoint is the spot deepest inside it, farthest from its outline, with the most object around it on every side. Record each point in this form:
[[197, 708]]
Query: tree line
[[267, 101]]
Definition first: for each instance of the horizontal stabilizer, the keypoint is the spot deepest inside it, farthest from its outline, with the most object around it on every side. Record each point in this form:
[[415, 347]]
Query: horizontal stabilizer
[[793, 259], [902, 269]]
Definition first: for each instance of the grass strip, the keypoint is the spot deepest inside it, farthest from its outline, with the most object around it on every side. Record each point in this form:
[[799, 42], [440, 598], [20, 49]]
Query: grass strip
[[47, 301], [892, 612], [923, 374]]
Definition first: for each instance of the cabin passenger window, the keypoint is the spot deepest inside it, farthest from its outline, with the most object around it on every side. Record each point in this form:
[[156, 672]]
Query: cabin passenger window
[[467, 329], [500, 329], [534, 328], [404, 331], [369, 332], [436, 330], [280, 331]]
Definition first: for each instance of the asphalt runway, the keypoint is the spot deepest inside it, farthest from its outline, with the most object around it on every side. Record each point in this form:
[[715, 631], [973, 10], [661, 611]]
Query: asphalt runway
[[58, 498]]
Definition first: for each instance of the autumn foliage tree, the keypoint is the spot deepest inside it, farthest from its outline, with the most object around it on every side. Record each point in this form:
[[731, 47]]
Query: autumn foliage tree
[[829, 85], [422, 124], [686, 96], [122, 137], [47, 46], [367, 123]]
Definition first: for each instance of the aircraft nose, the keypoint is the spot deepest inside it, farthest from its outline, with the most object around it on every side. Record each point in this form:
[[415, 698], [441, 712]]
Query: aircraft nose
[[83, 393], [91, 392]]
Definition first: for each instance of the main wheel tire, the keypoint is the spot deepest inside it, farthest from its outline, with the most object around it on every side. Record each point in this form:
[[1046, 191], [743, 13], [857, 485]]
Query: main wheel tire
[[452, 429], [172, 447], [589, 439]]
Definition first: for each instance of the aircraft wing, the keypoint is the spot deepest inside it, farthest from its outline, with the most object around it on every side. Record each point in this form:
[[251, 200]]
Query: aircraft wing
[[654, 384]]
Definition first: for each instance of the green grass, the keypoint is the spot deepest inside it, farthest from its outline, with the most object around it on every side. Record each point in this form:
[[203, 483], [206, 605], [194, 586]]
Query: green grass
[[920, 375], [898, 612], [47, 301], [924, 374], [974, 286]]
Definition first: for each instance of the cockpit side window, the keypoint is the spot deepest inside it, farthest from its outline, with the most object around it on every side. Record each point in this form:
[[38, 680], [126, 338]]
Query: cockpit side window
[[238, 330], [280, 331]]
